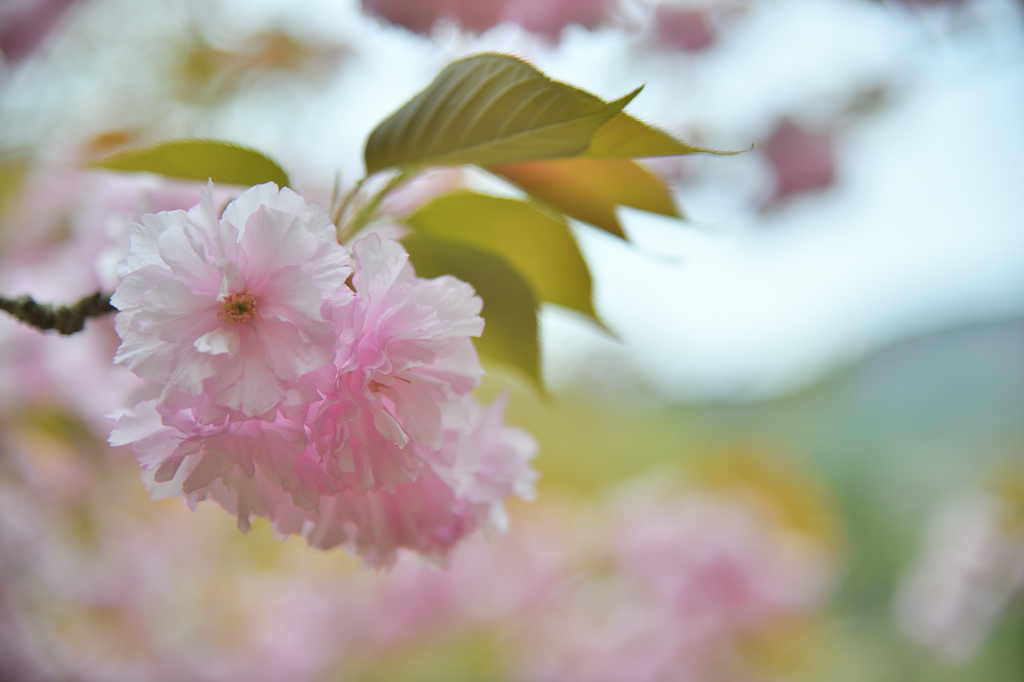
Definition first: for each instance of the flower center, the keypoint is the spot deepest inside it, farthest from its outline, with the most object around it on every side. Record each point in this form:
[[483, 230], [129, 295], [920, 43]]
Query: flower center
[[238, 307]]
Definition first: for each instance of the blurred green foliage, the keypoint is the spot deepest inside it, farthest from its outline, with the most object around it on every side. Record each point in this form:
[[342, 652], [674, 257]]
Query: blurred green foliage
[[537, 245], [510, 308], [873, 447], [200, 160], [591, 189]]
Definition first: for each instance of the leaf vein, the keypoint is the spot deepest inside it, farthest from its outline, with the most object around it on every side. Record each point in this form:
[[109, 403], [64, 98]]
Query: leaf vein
[[468, 99], [469, 129], [515, 112], [438, 103], [533, 122]]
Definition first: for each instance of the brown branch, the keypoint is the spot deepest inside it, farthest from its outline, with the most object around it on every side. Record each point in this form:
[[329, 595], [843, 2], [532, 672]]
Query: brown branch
[[65, 319]]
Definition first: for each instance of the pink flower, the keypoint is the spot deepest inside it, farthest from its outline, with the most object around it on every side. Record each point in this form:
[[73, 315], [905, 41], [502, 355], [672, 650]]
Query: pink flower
[[358, 429], [411, 363], [413, 350], [488, 462], [271, 469], [235, 308], [460, 490]]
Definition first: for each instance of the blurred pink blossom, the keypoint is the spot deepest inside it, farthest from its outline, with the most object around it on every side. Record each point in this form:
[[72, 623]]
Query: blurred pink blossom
[[545, 17], [683, 29], [107, 587], [25, 24], [720, 561], [549, 17], [689, 576], [801, 161], [62, 240], [970, 565], [932, 3], [152, 593]]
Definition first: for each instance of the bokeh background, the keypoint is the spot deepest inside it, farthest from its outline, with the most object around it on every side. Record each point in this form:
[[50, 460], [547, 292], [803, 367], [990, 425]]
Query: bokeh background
[[799, 456]]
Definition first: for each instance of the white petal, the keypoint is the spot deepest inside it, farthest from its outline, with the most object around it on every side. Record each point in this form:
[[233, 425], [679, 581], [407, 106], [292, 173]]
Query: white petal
[[218, 342], [238, 211]]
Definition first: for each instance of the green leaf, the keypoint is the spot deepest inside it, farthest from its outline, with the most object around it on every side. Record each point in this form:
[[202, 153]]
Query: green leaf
[[625, 137], [590, 189], [489, 109], [199, 160], [510, 309], [539, 246]]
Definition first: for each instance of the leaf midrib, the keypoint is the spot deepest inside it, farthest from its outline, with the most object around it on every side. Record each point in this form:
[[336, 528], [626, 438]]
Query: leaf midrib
[[465, 151]]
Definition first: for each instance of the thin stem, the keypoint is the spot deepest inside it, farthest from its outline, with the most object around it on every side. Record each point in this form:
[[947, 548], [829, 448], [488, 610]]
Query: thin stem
[[334, 191], [65, 319], [369, 210], [349, 198]]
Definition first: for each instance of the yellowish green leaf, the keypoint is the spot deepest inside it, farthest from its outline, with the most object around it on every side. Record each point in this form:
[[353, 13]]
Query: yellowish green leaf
[[625, 137], [199, 160], [589, 189], [12, 177], [486, 110], [538, 245], [510, 309]]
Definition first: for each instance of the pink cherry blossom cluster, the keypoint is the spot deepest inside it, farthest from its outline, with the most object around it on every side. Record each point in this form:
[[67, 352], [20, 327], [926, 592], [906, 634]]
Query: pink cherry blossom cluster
[[325, 392]]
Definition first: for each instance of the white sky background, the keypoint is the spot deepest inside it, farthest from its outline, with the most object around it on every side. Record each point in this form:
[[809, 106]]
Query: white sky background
[[924, 229]]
